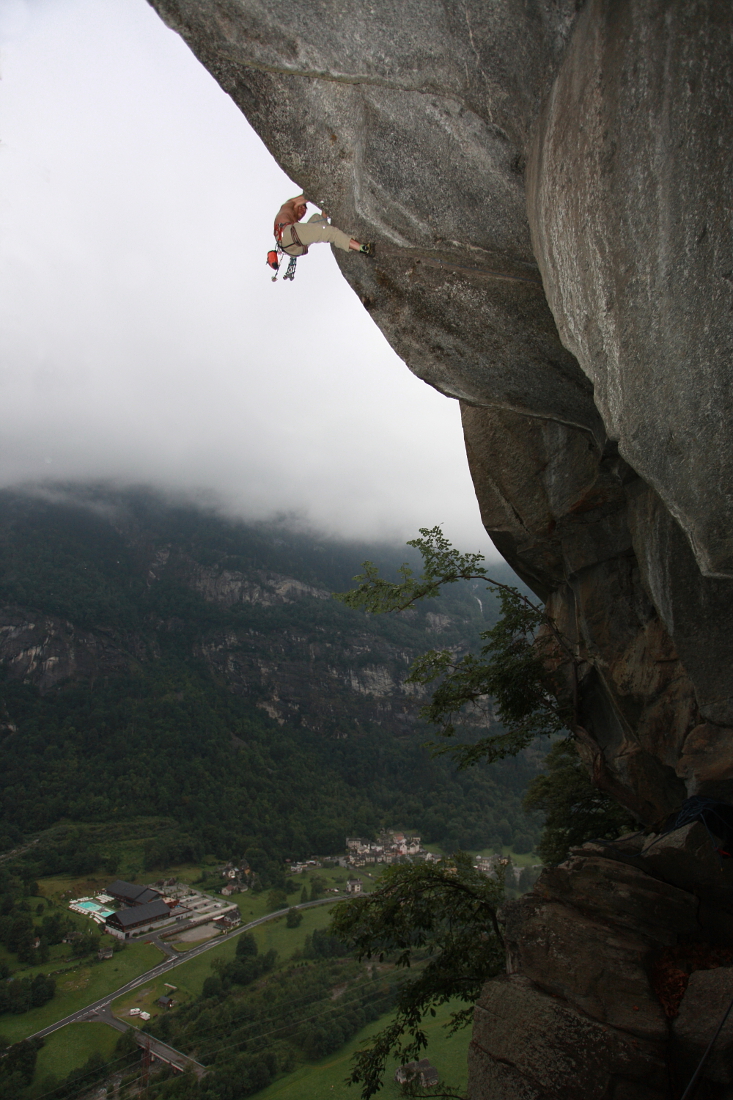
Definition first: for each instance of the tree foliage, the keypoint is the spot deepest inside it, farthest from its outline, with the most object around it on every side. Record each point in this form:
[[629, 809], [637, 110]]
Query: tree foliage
[[247, 1033], [438, 919], [575, 811], [509, 685]]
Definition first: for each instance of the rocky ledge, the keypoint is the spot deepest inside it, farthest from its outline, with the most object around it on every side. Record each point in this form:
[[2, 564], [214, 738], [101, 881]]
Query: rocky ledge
[[619, 969]]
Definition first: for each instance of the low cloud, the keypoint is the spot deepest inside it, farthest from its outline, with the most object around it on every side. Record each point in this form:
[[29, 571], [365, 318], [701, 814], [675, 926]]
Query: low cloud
[[143, 341]]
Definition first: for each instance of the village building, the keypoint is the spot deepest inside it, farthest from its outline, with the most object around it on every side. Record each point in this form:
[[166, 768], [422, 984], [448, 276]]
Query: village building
[[131, 894], [390, 848], [138, 918], [165, 1002], [353, 886], [486, 864], [426, 1073], [228, 920]]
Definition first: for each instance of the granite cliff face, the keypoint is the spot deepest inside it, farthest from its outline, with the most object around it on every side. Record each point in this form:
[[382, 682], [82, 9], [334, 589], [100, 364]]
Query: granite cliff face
[[550, 188]]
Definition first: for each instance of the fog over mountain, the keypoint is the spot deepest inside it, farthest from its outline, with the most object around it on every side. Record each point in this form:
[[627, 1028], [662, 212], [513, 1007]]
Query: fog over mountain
[[142, 340]]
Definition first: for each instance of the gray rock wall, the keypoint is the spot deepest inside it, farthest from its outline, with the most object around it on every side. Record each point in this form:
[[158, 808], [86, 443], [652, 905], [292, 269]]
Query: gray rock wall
[[550, 188], [586, 1008], [630, 197]]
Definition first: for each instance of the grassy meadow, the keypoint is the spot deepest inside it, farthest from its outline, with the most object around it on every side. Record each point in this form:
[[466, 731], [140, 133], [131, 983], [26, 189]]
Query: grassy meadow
[[81, 984], [70, 1047], [326, 1080], [189, 977]]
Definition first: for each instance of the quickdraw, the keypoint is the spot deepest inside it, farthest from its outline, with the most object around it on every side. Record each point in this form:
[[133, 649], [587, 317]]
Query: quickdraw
[[274, 260]]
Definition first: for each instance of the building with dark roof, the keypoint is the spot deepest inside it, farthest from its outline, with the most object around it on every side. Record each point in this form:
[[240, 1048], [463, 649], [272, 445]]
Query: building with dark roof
[[131, 894], [426, 1074], [137, 918]]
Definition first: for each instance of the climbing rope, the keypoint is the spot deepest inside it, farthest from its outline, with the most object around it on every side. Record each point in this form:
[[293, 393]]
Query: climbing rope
[[715, 816], [417, 258], [687, 1094], [460, 269]]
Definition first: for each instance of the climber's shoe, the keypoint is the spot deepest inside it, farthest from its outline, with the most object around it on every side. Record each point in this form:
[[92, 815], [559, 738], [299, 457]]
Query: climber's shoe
[[368, 249]]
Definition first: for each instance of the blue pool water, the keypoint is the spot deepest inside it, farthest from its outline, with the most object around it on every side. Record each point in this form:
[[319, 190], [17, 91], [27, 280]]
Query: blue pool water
[[94, 907]]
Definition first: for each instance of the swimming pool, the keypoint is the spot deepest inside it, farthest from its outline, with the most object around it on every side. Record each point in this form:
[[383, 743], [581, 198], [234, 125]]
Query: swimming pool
[[93, 907]]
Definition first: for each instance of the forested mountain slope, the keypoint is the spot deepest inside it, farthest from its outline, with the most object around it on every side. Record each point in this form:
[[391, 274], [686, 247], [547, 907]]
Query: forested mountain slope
[[157, 658]]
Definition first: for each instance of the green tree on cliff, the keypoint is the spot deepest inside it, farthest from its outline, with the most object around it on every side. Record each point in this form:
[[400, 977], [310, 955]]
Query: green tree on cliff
[[513, 685], [575, 810], [521, 685], [438, 919]]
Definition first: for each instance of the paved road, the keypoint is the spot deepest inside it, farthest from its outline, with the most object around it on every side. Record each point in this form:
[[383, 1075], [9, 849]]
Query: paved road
[[166, 948], [162, 1051], [169, 964]]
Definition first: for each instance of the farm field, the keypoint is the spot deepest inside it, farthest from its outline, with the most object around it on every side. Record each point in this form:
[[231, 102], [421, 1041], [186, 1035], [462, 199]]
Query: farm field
[[70, 1048], [81, 982], [326, 1079], [189, 977], [80, 985]]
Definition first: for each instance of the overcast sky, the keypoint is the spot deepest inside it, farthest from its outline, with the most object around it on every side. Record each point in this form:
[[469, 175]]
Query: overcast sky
[[142, 338]]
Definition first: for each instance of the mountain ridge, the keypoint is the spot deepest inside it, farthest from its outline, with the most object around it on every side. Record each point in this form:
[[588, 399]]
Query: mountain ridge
[[148, 650]]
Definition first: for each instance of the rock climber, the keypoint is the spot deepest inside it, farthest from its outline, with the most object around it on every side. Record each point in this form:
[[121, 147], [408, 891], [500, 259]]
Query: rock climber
[[295, 241]]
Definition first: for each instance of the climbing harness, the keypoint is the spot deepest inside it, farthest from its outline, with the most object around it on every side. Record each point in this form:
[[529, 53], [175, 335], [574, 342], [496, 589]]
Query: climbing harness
[[274, 255]]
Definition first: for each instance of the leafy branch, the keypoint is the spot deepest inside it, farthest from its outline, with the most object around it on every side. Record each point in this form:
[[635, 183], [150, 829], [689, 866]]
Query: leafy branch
[[513, 678], [440, 917]]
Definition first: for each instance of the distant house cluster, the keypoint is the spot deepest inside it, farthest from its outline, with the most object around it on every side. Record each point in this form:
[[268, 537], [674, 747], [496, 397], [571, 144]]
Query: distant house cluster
[[394, 847], [488, 865], [388, 848], [426, 1074], [306, 865], [236, 875]]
